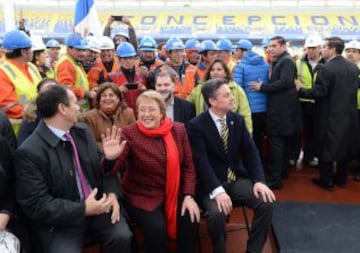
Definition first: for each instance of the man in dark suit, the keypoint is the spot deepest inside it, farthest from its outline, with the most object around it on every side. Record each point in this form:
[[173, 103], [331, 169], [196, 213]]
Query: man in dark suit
[[177, 109], [335, 94], [228, 168], [59, 184], [283, 119]]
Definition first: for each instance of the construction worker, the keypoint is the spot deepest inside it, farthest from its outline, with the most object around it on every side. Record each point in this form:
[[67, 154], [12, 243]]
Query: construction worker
[[18, 76], [129, 78], [70, 72], [209, 52], [192, 51], [148, 61], [241, 48], [107, 63], [184, 73], [225, 51], [92, 54], [53, 52], [352, 52], [307, 68], [39, 58]]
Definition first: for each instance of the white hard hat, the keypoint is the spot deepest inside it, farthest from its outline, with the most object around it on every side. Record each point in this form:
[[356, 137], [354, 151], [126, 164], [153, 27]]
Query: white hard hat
[[354, 44], [93, 44], [313, 41], [37, 44], [106, 43]]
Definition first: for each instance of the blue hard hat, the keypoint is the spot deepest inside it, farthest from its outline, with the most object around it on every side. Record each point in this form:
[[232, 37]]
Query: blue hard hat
[[225, 45], [125, 49], [207, 45], [244, 44], [52, 44], [16, 39], [148, 44], [1, 42], [77, 41], [174, 43], [192, 44]]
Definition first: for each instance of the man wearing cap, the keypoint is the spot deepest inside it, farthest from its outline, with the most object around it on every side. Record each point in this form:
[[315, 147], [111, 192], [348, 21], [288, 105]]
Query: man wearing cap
[[92, 54], [192, 51], [18, 77], [53, 51], [148, 61], [209, 52], [240, 49], [107, 63], [184, 73], [70, 72], [128, 77], [307, 68], [352, 52], [224, 53]]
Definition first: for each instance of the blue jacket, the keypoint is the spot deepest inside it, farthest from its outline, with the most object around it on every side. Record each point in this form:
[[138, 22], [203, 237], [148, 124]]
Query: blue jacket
[[253, 68]]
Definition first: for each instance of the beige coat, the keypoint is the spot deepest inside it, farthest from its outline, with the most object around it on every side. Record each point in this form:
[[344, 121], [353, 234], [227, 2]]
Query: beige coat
[[98, 121]]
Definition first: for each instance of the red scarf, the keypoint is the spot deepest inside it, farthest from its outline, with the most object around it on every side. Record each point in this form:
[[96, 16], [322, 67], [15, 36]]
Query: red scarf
[[172, 171]]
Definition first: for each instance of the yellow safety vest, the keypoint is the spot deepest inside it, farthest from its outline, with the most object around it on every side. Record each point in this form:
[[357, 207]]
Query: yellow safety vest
[[25, 89], [305, 77], [81, 79]]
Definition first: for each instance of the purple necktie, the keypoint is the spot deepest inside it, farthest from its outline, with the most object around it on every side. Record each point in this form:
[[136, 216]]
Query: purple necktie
[[84, 186]]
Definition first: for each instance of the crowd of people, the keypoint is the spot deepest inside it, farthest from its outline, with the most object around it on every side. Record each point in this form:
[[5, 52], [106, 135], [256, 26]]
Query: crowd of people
[[116, 132]]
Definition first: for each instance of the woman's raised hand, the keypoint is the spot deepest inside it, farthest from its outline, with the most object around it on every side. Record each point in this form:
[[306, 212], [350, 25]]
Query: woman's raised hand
[[112, 144]]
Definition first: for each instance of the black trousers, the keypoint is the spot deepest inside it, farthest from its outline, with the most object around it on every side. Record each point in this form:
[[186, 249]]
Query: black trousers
[[153, 226], [280, 149], [241, 194], [309, 119], [259, 128], [113, 237], [329, 176]]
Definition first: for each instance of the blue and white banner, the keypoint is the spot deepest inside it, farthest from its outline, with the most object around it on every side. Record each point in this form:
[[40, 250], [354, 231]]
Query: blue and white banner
[[86, 18]]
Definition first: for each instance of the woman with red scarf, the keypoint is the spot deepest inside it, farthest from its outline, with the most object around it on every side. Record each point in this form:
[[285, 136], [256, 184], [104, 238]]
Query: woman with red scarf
[[159, 179]]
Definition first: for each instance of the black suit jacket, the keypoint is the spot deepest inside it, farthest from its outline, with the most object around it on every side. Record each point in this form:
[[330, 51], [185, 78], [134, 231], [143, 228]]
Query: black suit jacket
[[45, 180], [337, 123], [211, 160], [184, 111]]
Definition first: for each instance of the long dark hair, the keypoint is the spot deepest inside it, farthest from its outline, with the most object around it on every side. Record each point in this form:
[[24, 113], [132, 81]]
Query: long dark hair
[[228, 77]]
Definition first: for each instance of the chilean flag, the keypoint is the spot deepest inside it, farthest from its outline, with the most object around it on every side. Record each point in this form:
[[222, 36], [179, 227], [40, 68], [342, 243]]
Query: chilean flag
[[86, 18]]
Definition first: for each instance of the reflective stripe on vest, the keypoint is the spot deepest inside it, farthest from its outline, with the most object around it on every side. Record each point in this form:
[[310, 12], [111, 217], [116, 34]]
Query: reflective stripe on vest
[[81, 79], [25, 89], [304, 76]]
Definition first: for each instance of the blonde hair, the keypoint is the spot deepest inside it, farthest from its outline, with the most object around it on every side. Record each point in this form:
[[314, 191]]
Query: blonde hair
[[154, 96]]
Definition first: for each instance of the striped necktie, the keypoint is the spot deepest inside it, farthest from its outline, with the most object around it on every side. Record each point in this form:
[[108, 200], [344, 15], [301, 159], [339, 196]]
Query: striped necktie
[[231, 177]]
